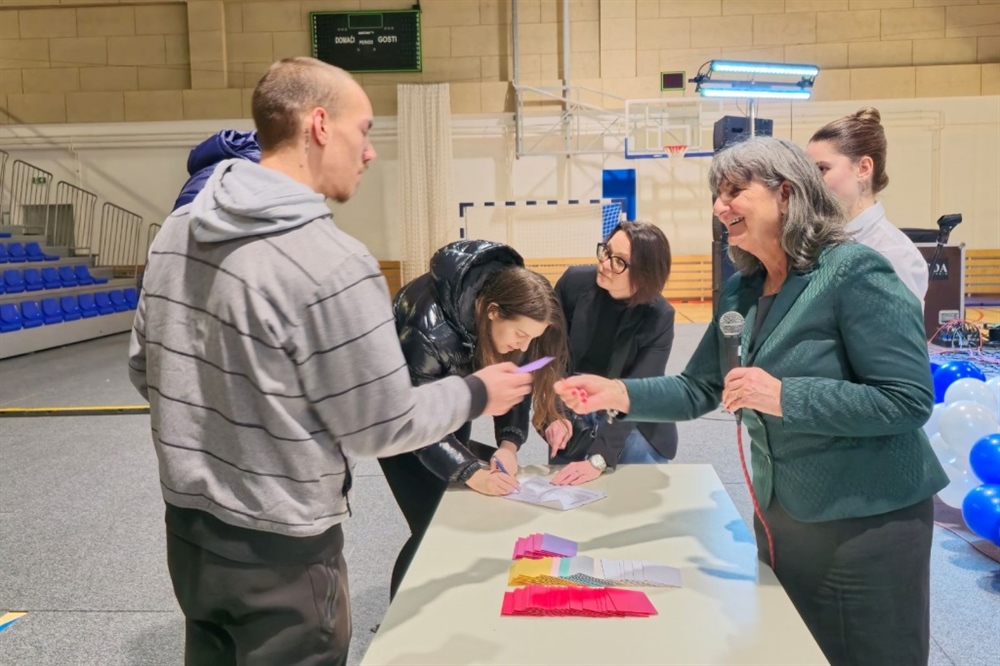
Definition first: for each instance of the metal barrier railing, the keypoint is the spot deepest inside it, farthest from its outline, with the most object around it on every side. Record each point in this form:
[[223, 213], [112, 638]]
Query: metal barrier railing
[[151, 232], [70, 219], [120, 233], [29, 195], [4, 155], [4, 195]]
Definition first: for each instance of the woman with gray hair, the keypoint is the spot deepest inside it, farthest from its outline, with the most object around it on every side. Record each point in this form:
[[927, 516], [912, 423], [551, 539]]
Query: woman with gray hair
[[833, 386]]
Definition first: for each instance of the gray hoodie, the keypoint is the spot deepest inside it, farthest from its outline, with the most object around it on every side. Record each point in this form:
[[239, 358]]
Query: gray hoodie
[[265, 343]]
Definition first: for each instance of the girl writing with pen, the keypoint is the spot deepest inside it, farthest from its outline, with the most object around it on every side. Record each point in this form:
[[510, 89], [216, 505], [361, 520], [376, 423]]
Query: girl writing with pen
[[478, 305]]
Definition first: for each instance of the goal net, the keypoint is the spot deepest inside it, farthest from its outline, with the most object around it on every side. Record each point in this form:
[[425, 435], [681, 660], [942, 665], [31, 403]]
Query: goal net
[[543, 229]]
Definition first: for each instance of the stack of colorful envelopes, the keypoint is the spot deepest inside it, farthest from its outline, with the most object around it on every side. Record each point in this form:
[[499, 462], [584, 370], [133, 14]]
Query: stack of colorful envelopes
[[543, 545], [592, 572], [585, 601]]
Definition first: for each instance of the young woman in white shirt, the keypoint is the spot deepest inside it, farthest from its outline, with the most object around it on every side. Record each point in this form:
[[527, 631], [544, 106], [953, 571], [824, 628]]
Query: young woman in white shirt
[[851, 154]]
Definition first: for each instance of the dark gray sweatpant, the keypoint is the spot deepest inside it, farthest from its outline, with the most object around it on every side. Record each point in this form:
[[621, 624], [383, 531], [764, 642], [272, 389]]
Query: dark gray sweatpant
[[259, 614]]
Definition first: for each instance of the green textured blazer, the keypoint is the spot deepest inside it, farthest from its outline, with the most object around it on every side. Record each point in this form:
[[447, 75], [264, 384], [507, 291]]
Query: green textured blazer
[[846, 339]]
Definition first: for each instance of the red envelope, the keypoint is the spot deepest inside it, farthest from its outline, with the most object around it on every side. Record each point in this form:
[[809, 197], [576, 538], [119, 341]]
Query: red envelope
[[631, 602], [508, 604], [585, 601]]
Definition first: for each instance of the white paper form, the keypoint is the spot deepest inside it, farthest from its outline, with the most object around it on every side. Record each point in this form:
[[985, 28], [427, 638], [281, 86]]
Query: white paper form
[[538, 490]]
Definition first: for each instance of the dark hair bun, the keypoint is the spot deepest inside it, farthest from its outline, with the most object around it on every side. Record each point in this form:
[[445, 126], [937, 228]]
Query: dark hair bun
[[868, 115]]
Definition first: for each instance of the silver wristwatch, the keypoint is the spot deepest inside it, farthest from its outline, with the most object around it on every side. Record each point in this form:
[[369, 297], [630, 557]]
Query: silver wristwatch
[[597, 460]]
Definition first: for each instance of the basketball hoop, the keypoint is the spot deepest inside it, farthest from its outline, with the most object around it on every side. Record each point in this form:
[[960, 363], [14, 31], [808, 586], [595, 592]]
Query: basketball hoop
[[676, 151]]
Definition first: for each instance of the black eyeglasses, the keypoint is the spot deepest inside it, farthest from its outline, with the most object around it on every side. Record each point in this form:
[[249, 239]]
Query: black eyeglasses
[[618, 265]]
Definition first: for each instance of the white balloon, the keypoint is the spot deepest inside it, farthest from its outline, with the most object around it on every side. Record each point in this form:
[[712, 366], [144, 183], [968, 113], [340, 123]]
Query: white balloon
[[962, 425], [944, 454], [975, 390], [933, 425], [962, 482], [993, 384]]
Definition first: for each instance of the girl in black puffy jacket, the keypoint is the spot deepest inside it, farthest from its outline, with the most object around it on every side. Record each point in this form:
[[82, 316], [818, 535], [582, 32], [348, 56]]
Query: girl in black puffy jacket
[[477, 306]]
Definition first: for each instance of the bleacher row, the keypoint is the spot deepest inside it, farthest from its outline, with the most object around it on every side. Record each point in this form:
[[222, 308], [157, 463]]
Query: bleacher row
[[50, 295], [16, 253], [47, 311], [16, 281]]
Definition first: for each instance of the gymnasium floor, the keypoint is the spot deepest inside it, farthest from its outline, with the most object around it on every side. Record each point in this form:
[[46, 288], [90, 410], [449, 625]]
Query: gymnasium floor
[[82, 543]]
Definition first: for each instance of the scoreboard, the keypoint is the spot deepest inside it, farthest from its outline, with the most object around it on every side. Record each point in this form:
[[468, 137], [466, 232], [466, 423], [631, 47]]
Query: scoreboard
[[368, 41]]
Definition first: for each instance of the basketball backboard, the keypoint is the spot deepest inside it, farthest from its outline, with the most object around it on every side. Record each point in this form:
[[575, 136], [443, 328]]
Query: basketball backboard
[[658, 127]]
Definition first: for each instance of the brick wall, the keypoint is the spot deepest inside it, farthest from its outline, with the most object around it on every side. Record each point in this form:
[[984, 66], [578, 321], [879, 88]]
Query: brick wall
[[105, 61]]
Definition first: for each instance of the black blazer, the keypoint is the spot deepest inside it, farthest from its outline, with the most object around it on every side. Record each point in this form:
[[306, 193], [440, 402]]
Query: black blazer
[[642, 346]]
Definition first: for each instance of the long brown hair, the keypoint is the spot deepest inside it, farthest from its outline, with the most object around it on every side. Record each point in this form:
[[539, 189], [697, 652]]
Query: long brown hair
[[518, 292]]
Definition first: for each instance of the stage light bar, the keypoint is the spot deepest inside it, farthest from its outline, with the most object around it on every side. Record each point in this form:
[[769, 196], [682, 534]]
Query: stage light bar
[[753, 90], [778, 69]]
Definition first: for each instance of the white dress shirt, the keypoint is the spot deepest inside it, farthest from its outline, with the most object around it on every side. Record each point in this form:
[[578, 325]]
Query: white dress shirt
[[871, 228]]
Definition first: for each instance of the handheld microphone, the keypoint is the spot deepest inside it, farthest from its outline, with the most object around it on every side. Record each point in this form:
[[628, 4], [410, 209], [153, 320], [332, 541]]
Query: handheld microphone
[[731, 324]]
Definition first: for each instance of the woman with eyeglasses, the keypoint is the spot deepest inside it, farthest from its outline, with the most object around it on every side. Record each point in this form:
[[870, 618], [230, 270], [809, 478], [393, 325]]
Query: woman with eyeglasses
[[619, 325]]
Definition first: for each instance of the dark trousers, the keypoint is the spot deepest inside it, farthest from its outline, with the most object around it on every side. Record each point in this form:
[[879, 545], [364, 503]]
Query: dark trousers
[[418, 491], [862, 585], [257, 614]]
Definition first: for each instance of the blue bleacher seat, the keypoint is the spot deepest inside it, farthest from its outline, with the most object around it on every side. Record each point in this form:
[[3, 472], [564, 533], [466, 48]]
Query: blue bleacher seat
[[31, 314], [35, 253], [103, 303], [3, 287], [3, 254], [13, 281], [5, 234], [87, 306], [131, 297], [70, 308], [10, 318], [83, 275], [51, 312], [32, 279], [50, 278], [15, 253], [67, 276], [118, 300]]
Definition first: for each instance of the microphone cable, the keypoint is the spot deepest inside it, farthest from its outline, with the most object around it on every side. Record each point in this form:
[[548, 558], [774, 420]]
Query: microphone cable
[[753, 495], [731, 326]]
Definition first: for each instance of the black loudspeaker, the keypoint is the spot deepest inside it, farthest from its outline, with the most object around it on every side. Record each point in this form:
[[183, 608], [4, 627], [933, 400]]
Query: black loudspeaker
[[729, 129], [722, 267]]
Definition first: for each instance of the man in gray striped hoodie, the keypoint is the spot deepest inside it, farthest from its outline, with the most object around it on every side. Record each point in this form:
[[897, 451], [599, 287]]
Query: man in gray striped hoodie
[[265, 344]]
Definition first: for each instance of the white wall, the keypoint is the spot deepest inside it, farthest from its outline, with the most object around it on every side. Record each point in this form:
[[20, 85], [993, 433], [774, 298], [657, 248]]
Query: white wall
[[944, 157]]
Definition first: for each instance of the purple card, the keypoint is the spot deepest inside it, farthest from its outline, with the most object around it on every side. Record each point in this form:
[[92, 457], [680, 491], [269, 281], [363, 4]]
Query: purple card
[[558, 545], [536, 365]]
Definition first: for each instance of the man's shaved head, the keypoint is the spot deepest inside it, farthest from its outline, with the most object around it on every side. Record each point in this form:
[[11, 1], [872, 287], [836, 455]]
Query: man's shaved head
[[291, 88]]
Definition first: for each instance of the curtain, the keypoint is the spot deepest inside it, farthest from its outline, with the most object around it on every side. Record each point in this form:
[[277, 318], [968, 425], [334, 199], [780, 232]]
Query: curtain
[[427, 177]]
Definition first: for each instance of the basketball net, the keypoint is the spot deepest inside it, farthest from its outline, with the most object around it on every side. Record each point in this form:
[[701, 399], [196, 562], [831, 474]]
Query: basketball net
[[675, 151]]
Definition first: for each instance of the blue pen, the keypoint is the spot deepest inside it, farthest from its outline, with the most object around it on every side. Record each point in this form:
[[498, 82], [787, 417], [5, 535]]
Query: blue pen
[[500, 466]]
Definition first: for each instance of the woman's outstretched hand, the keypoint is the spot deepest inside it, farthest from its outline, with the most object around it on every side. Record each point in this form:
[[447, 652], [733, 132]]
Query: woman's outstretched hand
[[585, 394], [576, 473]]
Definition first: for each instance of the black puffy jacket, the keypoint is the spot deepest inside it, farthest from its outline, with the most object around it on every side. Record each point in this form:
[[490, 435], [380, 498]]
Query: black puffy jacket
[[435, 320]]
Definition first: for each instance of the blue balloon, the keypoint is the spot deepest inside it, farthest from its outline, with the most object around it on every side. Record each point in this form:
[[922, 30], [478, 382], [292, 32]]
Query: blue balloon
[[984, 458], [981, 511], [934, 367], [950, 373]]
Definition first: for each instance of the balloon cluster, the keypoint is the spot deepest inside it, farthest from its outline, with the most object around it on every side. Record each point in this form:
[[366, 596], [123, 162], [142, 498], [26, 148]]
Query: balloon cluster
[[965, 436]]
